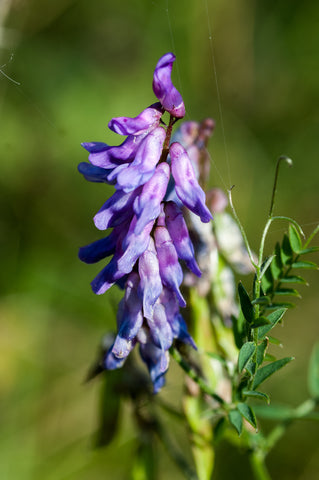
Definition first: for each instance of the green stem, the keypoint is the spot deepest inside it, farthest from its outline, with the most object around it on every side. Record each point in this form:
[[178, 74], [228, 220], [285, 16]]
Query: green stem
[[193, 375], [176, 456], [316, 230], [257, 462], [272, 203], [241, 228], [303, 410]]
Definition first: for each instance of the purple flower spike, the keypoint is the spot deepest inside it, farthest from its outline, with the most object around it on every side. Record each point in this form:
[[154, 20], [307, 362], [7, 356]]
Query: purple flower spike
[[178, 231], [144, 164], [143, 123], [170, 270], [150, 286], [186, 184], [147, 206], [163, 88], [149, 233]]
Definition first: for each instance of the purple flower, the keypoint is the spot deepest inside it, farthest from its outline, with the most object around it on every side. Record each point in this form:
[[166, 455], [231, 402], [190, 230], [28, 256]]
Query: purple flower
[[163, 88], [149, 236]]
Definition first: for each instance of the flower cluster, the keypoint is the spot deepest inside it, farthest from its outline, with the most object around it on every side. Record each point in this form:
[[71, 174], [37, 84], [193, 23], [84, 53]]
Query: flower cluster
[[154, 180]]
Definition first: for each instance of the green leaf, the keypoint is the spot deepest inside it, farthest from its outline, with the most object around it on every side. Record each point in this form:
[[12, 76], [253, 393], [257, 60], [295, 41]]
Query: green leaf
[[277, 305], [288, 291], [219, 429], [276, 265], [247, 412], [264, 300], [261, 350], [239, 329], [304, 265], [251, 367], [260, 322], [144, 466], [257, 395], [308, 250], [274, 318], [245, 354], [313, 373], [274, 412], [274, 341], [236, 420], [266, 264], [293, 279], [294, 239], [269, 358], [245, 303], [267, 281], [264, 372], [286, 253]]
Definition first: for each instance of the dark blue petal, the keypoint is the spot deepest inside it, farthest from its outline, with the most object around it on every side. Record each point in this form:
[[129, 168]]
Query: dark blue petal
[[97, 250], [93, 173]]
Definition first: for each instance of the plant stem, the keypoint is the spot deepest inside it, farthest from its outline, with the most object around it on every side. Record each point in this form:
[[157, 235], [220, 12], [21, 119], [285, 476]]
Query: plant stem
[[241, 228], [272, 203], [257, 462], [193, 375], [316, 230]]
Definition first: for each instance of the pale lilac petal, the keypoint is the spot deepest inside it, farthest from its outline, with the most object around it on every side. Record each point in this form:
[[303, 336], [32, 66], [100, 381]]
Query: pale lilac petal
[[186, 185], [144, 164], [150, 286], [178, 231], [160, 330], [111, 362], [170, 270], [143, 123], [175, 319], [163, 88], [155, 360], [147, 205]]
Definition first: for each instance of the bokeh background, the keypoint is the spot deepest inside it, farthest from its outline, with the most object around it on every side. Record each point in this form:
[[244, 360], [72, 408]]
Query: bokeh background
[[80, 63]]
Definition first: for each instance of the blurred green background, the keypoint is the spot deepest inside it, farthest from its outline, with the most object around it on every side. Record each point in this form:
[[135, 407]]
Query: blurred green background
[[80, 63]]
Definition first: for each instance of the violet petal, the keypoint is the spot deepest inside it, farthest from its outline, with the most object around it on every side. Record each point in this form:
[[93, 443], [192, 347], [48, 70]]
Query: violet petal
[[143, 123], [116, 210], [155, 359], [178, 231], [110, 157], [147, 205], [160, 330], [150, 286], [144, 164], [163, 88], [170, 270], [133, 246], [186, 184]]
